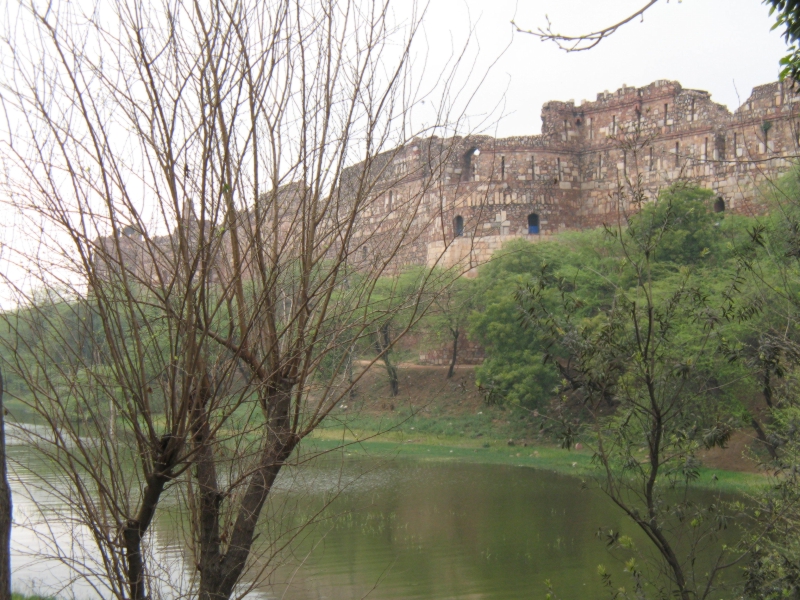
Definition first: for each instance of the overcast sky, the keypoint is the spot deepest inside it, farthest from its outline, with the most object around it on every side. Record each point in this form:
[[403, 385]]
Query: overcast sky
[[722, 46]]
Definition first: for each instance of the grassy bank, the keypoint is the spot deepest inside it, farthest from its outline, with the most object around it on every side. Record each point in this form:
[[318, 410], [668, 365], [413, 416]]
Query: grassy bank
[[434, 418], [578, 463]]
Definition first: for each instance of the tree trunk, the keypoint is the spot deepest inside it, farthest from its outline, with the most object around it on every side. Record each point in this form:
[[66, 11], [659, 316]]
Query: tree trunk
[[5, 508], [383, 348], [166, 457], [394, 382], [351, 393], [218, 584], [455, 354], [762, 437], [219, 572], [767, 387], [209, 497]]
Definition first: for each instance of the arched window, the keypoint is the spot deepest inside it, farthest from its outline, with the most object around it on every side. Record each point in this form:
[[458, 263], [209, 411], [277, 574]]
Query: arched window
[[470, 167], [533, 223], [719, 205], [458, 226]]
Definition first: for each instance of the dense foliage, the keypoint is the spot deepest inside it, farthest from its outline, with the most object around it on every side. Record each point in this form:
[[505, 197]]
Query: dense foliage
[[652, 340], [517, 368], [787, 14]]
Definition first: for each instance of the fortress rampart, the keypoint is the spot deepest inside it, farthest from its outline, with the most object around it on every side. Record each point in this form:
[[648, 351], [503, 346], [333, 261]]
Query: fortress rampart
[[489, 190], [458, 200]]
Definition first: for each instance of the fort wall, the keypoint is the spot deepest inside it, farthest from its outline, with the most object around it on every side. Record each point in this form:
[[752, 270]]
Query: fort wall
[[489, 190], [458, 200]]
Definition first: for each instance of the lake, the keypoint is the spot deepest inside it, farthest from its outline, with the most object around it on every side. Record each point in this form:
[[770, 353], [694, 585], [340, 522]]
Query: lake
[[387, 528]]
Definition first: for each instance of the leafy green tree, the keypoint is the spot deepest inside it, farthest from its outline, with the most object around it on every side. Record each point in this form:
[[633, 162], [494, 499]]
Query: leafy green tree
[[514, 370], [682, 217], [787, 15], [396, 304], [645, 366], [448, 317], [773, 571], [770, 254]]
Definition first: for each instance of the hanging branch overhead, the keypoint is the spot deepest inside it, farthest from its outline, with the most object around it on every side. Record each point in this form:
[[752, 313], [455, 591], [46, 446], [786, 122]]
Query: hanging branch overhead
[[586, 41]]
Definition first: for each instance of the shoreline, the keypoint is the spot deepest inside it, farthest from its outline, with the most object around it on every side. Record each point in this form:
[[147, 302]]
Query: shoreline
[[575, 463]]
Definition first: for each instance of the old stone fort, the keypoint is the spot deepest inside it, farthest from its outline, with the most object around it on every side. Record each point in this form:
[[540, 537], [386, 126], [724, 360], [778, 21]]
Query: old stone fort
[[570, 176], [453, 201], [456, 200]]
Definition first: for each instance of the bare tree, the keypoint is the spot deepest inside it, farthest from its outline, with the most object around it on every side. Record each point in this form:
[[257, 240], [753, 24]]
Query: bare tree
[[5, 507], [199, 194]]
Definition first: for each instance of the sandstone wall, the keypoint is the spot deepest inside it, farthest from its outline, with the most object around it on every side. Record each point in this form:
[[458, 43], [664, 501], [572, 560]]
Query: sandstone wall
[[569, 176], [458, 200]]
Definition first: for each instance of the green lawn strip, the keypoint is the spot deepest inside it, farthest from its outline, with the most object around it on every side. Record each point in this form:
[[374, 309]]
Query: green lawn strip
[[491, 422], [493, 451]]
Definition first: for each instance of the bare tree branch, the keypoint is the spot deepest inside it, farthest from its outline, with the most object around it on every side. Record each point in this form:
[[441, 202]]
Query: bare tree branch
[[586, 41]]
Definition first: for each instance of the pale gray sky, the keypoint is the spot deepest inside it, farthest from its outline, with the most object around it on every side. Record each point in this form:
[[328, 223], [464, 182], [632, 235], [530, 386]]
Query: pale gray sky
[[722, 46]]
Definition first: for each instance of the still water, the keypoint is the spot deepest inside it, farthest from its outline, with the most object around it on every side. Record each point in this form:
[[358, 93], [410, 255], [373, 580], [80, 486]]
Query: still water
[[393, 528]]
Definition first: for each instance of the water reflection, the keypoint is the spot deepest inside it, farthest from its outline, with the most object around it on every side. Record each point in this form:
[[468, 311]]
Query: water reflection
[[436, 530], [399, 528]]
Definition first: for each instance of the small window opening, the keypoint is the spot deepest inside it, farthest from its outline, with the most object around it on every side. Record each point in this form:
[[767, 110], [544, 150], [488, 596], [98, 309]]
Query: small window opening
[[719, 205], [470, 166], [614, 125], [705, 150], [533, 224], [458, 226], [691, 115], [591, 128], [666, 113], [364, 253], [558, 169], [391, 201], [677, 154], [566, 129], [502, 167], [533, 167], [652, 158]]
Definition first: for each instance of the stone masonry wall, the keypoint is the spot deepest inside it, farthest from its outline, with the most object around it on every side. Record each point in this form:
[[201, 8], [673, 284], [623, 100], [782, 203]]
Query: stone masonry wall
[[569, 176]]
